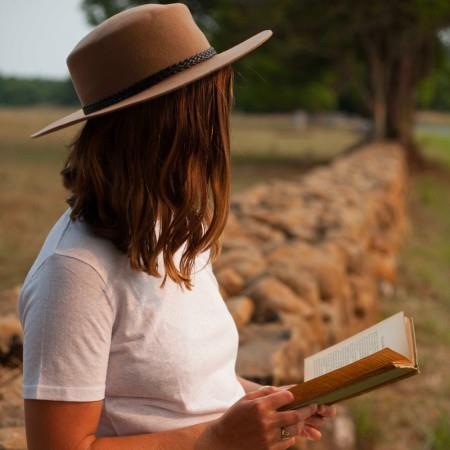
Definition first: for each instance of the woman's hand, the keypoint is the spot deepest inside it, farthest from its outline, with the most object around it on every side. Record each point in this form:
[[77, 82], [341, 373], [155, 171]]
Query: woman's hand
[[254, 422], [312, 425]]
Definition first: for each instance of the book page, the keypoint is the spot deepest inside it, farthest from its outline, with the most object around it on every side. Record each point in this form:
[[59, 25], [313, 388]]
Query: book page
[[387, 333]]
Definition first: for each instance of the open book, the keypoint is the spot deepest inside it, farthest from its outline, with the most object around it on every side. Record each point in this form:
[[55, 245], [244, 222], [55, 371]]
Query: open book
[[381, 354]]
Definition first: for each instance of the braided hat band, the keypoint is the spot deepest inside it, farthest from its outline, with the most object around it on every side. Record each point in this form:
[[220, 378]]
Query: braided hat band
[[149, 81]]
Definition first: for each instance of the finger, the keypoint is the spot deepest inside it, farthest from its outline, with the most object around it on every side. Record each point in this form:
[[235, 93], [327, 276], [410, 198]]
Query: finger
[[303, 432], [287, 386], [286, 418], [294, 430], [312, 433], [284, 444], [327, 410], [315, 421], [261, 392], [306, 411], [279, 398]]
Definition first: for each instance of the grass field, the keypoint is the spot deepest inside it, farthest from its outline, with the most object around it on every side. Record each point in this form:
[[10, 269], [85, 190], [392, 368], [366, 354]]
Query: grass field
[[31, 195], [413, 415]]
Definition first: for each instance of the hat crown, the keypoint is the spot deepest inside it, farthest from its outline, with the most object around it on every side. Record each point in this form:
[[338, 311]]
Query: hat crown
[[132, 45]]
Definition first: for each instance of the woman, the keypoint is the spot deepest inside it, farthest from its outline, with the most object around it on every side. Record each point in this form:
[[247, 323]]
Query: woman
[[115, 358]]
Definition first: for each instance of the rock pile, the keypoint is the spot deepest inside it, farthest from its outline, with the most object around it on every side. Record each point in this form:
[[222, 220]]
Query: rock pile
[[303, 261], [12, 433]]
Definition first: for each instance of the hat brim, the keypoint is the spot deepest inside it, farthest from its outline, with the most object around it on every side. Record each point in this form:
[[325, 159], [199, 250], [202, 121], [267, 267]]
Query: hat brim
[[169, 84]]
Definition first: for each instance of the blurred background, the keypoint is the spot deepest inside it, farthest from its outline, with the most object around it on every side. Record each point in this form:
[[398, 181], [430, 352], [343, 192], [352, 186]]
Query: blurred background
[[336, 77]]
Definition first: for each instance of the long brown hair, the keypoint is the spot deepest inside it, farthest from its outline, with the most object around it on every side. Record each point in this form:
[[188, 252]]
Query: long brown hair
[[157, 160]]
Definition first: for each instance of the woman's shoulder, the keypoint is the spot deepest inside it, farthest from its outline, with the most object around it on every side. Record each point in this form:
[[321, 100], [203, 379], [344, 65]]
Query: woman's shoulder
[[64, 285], [66, 273], [72, 259], [72, 243]]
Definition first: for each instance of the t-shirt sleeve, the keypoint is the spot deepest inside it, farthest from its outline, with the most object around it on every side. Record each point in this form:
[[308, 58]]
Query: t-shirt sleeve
[[67, 319]]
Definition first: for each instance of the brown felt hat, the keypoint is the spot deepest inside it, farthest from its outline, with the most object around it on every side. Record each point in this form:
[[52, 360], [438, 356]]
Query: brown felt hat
[[142, 53]]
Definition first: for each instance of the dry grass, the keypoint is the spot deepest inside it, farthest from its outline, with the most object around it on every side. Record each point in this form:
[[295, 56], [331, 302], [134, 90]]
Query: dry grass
[[32, 198], [410, 415], [275, 135], [414, 414]]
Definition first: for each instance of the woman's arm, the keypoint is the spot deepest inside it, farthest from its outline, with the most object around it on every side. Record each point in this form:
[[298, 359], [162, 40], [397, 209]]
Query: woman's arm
[[61, 425], [194, 437], [252, 422]]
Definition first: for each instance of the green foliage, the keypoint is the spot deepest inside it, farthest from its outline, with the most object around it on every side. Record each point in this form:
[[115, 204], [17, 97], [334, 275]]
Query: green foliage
[[261, 86], [439, 435], [30, 91], [318, 57], [434, 91], [437, 144], [283, 75], [366, 427]]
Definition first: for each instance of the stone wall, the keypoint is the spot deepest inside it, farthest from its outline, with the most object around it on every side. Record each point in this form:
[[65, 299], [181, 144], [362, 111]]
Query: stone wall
[[303, 261], [301, 267]]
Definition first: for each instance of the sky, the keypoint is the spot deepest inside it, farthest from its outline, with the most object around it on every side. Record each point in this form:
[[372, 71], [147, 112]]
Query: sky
[[37, 35]]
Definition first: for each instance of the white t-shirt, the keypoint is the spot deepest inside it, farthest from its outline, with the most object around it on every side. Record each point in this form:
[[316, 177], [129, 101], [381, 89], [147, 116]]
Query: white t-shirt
[[96, 329]]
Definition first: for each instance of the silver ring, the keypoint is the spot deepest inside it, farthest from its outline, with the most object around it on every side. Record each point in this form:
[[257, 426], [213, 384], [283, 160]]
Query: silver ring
[[285, 433]]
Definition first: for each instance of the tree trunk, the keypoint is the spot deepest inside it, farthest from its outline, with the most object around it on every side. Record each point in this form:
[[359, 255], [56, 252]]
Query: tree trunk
[[378, 70], [400, 111], [379, 117], [393, 84]]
